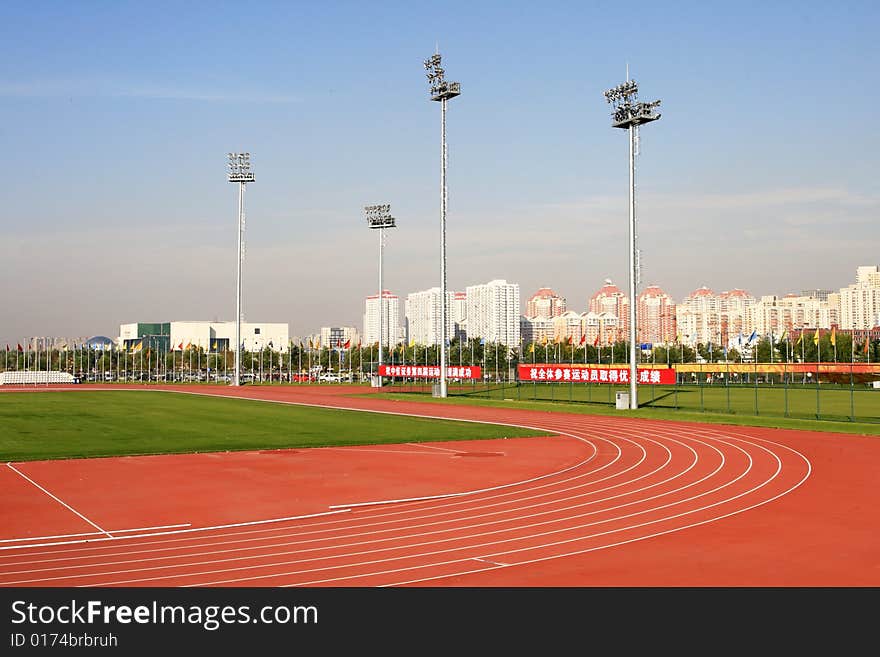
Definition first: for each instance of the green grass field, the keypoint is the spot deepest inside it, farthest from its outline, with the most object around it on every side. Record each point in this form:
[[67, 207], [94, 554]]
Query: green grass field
[[49, 425], [708, 404]]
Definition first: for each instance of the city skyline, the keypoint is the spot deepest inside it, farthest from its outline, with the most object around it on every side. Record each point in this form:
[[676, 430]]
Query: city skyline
[[118, 206]]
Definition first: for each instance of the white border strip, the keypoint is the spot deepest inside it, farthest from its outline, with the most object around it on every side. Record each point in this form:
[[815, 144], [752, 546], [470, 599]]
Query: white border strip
[[175, 531], [112, 531]]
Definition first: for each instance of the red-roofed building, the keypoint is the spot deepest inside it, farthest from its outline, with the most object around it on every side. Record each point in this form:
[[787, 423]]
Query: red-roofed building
[[545, 303], [655, 316], [610, 299]]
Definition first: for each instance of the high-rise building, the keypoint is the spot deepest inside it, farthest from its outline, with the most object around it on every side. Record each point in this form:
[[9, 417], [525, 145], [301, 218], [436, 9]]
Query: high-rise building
[[655, 316], [493, 312], [545, 303], [422, 316], [860, 302], [736, 309], [536, 329], [610, 299], [568, 325], [698, 319], [391, 329], [459, 315]]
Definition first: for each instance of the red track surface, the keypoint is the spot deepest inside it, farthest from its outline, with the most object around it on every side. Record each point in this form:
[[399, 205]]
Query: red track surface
[[607, 502]]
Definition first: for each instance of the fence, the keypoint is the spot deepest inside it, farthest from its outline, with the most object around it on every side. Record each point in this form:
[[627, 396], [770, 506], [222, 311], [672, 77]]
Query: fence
[[824, 391]]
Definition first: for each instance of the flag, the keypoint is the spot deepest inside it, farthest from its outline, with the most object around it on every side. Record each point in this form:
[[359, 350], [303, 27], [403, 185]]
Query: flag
[[816, 338], [752, 336], [834, 337], [596, 341], [180, 346], [544, 340], [310, 343], [569, 340], [800, 338], [138, 346], [213, 345], [740, 339], [482, 340], [784, 333], [7, 347], [359, 343], [188, 345], [532, 348], [412, 342], [20, 348], [347, 344], [583, 338]]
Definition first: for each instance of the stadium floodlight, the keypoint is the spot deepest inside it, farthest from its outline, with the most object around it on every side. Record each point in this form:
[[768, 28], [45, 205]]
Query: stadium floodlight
[[239, 171], [379, 218], [628, 113], [440, 90]]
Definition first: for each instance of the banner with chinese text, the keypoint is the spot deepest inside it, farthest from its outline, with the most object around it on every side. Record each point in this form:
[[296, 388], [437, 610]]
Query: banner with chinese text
[[565, 373], [431, 371]]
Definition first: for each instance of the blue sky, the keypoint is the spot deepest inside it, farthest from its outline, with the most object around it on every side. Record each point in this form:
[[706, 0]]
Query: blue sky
[[116, 118]]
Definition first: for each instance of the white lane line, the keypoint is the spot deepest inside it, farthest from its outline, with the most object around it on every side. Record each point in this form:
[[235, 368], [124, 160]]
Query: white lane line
[[112, 531], [62, 503], [440, 449], [494, 563], [174, 531], [361, 450]]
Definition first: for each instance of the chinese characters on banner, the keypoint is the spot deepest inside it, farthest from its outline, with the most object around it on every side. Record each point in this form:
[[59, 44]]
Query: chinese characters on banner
[[431, 371], [580, 374]]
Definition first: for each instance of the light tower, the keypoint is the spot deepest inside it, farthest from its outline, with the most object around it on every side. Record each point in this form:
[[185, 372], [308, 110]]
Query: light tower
[[239, 166], [379, 218], [442, 91], [629, 114]]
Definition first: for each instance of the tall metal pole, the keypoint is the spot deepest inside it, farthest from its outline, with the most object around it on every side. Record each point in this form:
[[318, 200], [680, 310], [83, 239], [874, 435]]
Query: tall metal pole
[[379, 218], [442, 91], [236, 380], [381, 310], [633, 370], [239, 165], [629, 113], [443, 191]]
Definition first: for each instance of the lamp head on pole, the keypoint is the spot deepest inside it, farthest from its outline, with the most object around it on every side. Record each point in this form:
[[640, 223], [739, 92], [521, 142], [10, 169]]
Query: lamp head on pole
[[439, 88], [238, 167], [379, 216]]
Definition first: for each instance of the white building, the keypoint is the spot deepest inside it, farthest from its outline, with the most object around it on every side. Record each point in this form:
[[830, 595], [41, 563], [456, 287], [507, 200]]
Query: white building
[[213, 336], [860, 302], [422, 312], [391, 329], [493, 312], [536, 329]]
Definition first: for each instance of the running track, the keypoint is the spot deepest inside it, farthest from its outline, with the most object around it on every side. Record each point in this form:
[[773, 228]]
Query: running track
[[607, 502]]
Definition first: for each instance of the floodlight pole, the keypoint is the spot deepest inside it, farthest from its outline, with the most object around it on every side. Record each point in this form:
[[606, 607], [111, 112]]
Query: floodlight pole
[[442, 91], [629, 113], [379, 217], [239, 172]]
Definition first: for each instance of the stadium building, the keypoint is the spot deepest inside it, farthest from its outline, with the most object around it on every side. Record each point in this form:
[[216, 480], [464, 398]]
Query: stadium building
[[208, 336]]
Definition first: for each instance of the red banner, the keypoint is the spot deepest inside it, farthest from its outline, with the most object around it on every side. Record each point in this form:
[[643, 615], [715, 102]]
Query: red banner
[[565, 373], [431, 371]]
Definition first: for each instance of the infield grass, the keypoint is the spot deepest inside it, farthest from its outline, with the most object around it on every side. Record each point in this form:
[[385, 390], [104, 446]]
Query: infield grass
[[50, 425]]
